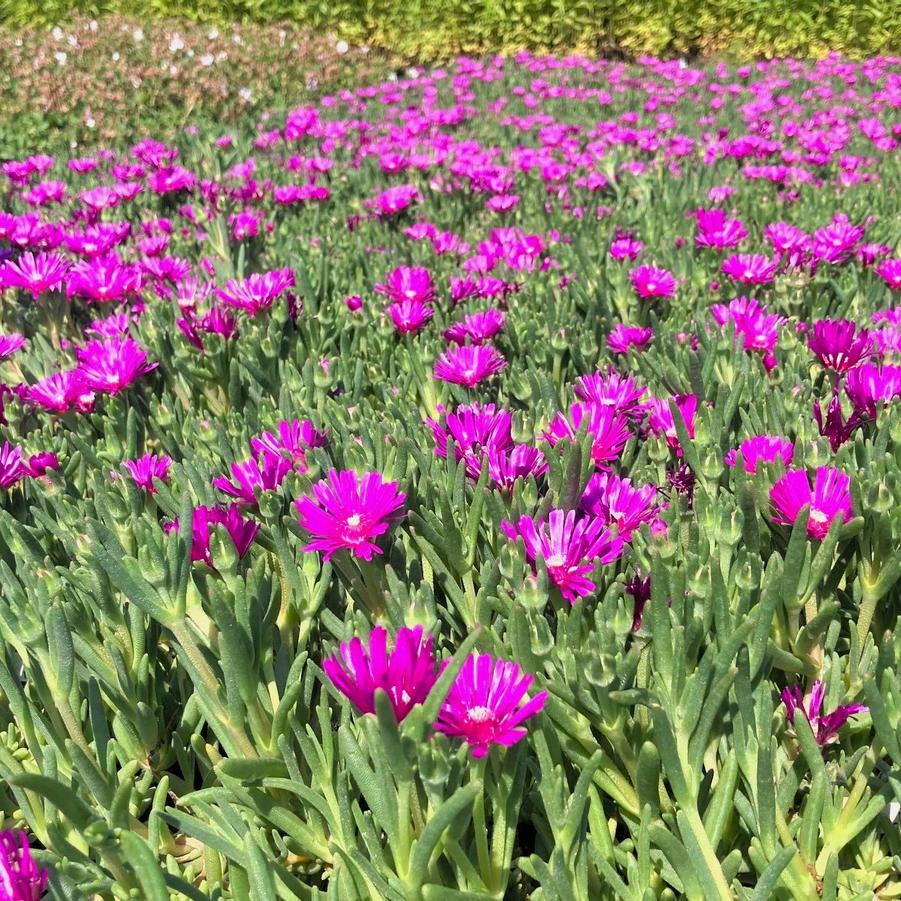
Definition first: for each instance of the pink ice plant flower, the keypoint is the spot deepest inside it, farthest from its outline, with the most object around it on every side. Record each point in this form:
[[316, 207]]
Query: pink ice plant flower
[[829, 498], [147, 468], [9, 344], [890, 272], [761, 449], [477, 328], [292, 440], [13, 467], [410, 316], [349, 510], [258, 291], [750, 269], [617, 502], [469, 364], [649, 281], [21, 879], [475, 430], [758, 329], [622, 337], [608, 428], [570, 544], [35, 273], [520, 462], [824, 726], [61, 392], [103, 279], [839, 344], [249, 477], [113, 364], [488, 703], [871, 387], [661, 420], [407, 674], [408, 283], [242, 532], [611, 389]]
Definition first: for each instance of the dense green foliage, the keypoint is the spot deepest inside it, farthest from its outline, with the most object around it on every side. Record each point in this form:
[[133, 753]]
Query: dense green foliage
[[430, 30]]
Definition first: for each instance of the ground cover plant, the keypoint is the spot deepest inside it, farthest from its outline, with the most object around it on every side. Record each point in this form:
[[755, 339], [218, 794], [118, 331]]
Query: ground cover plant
[[480, 485]]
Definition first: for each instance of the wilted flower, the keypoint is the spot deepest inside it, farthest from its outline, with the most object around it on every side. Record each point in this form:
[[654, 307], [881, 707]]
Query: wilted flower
[[824, 726], [21, 879], [761, 449], [349, 511], [406, 675], [488, 703], [469, 364], [834, 426], [569, 544], [829, 498]]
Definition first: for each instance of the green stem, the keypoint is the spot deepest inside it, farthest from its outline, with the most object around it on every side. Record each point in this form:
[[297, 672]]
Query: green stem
[[864, 620], [478, 774]]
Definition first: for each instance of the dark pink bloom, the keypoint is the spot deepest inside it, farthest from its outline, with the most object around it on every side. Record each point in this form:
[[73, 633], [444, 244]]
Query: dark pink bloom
[[477, 328], [649, 281], [112, 365], [836, 242], [569, 544], [60, 392], [410, 316], [610, 389], [758, 329], [824, 726], [625, 336], [294, 439], [395, 200], [487, 704], [608, 428], [21, 879], [36, 273], [256, 292], [619, 503], [469, 364], [639, 587], [829, 498], [761, 449], [406, 675], [750, 268], [349, 511], [263, 473], [520, 462], [890, 272], [354, 302], [13, 467], [408, 283], [870, 387], [475, 431], [9, 344], [103, 279], [39, 464], [717, 230], [839, 344], [625, 247], [834, 426], [661, 420], [241, 531], [147, 468]]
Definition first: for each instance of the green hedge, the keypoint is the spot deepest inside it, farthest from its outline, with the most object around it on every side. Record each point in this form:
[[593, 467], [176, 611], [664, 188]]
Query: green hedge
[[427, 29]]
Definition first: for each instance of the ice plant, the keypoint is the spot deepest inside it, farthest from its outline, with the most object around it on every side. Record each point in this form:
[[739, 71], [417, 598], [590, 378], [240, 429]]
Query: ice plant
[[292, 441], [406, 674], [9, 344], [408, 283], [469, 364], [611, 389], [112, 365], [265, 472], [35, 273], [609, 430], [241, 531], [871, 387], [649, 281], [839, 344], [890, 272], [833, 425], [830, 498], [475, 430], [761, 449], [622, 337], [616, 501], [520, 462], [410, 316], [488, 703], [21, 879], [824, 726], [757, 328], [147, 468], [477, 328], [13, 467], [349, 510], [258, 291], [570, 544], [750, 269], [661, 420]]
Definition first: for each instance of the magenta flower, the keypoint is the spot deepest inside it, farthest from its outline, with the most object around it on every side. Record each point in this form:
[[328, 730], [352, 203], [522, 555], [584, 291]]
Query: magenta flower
[[408, 283], [619, 503], [469, 364], [475, 430], [824, 726], [395, 200], [625, 336], [625, 247], [349, 511], [406, 675], [609, 430], [834, 426], [294, 439], [829, 498], [112, 365], [890, 272], [21, 879], [649, 281], [835, 242], [263, 473], [61, 392], [610, 389], [570, 545], [258, 291], [410, 316], [661, 420], [520, 462], [487, 704], [838, 343], [750, 268], [36, 273], [241, 531], [477, 328], [639, 588], [870, 387], [9, 344], [717, 230], [758, 329], [147, 468], [13, 467], [761, 449], [103, 279]]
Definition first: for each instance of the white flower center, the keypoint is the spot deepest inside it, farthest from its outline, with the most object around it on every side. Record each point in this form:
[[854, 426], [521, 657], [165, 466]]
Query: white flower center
[[480, 714], [353, 521], [556, 559], [818, 516]]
